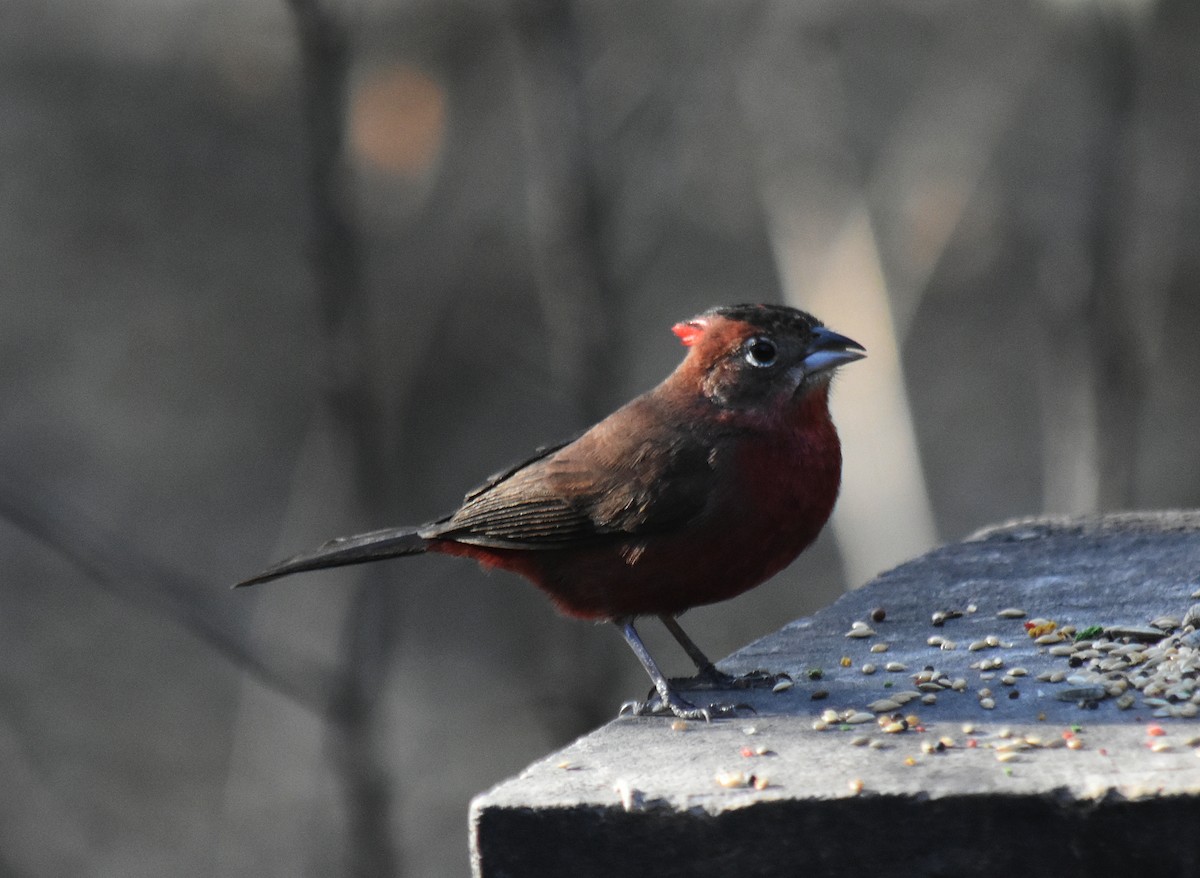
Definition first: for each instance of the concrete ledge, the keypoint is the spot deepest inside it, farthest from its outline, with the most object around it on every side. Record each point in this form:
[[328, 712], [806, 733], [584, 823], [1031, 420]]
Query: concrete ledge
[[1039, 784]]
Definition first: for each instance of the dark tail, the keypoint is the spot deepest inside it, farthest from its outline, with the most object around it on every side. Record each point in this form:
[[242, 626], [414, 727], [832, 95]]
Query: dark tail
[[388, 543]]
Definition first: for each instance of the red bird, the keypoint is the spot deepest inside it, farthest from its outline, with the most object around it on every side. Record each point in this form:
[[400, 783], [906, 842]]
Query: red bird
[[692, 493]]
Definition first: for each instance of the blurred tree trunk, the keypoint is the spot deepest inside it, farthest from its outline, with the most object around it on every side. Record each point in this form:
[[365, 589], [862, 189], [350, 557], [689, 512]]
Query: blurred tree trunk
[[326, 57]]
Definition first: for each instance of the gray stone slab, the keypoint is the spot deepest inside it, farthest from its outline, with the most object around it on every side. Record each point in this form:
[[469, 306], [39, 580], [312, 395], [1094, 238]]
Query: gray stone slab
[[1036, 785]]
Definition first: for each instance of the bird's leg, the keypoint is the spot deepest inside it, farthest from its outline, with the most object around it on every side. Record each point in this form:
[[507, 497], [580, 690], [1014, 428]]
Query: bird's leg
[[704, 666], [706, 671], [668, 699]]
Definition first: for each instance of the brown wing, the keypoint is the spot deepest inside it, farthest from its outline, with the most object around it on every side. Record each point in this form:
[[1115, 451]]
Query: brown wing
[[597, 488]]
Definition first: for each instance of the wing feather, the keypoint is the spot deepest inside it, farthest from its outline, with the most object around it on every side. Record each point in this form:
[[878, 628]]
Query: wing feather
[[564, 497]]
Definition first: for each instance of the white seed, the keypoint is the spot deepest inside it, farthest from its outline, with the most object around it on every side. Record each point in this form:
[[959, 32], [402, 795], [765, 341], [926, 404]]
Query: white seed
[[868, 668], [879, 647], [730, 779], [1061, 650], [949, 645], [987, 703], [895, 667], [992, 640], [878, 744], [860, 625], [959, 684], [860, 740], [977, 645], [884, 705], [1006, 756], [858, 717], [1017, 672], [859, 633], [935, 640], [930, 698], [1160, 747], [820, 725], [830, 715], [783, 686], [1011, 613]]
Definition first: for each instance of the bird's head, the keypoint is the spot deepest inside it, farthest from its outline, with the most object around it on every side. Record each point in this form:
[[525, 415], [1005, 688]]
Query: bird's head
[[749, 356]]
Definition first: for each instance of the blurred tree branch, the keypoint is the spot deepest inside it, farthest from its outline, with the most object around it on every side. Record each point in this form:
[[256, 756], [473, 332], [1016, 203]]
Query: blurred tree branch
[[148, 585]]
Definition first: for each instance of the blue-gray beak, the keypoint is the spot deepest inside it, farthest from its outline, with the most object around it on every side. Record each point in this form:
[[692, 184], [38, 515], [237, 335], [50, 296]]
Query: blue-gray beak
[[828, 350]]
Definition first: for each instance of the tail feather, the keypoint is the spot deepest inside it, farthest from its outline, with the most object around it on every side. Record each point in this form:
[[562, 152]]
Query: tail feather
[[373, 546]]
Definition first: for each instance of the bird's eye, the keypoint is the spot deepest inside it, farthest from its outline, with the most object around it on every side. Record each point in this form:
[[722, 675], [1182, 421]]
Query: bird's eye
[[761, 352]]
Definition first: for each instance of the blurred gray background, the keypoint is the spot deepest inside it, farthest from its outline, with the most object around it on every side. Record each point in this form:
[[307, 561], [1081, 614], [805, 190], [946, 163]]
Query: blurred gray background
[[279, 270]]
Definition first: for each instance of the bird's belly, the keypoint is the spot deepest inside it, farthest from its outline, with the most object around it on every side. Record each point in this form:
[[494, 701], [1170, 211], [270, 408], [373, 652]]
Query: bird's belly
[[774, 507]]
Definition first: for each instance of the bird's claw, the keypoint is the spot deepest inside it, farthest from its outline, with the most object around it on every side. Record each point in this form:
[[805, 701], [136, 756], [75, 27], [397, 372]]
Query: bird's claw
[[681, 708], [708, 677]]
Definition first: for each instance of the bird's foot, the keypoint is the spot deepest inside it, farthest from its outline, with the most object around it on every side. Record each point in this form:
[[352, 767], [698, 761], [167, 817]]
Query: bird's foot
[[708, 677], [656, 705]]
